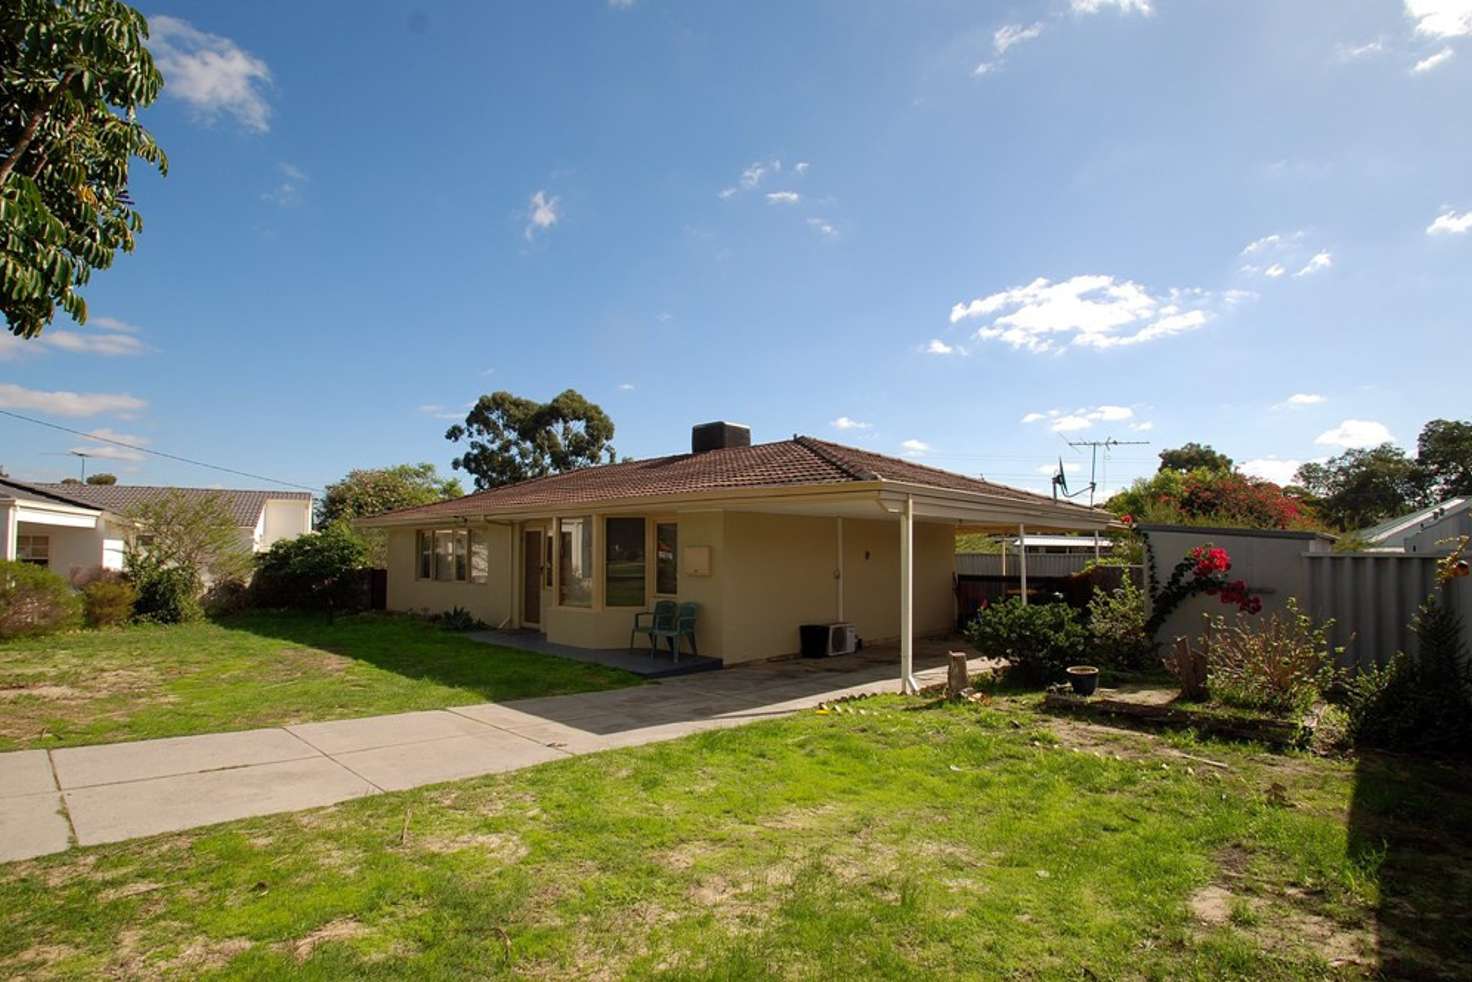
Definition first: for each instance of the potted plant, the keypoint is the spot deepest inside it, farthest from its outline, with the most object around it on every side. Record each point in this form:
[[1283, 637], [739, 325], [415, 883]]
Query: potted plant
[[1084, 679]]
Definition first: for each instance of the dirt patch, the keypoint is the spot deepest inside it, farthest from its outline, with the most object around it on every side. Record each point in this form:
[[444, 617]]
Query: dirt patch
[[315, 660], [1212, 905], [799, 818], [501, 846], [56, 693], [128, 890], [203, 955], [44, 955], [342, 929], [685, 855]]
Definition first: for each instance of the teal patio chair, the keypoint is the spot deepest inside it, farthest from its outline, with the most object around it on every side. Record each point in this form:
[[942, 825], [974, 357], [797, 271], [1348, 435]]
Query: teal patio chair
[[683, 627], [647, 622]]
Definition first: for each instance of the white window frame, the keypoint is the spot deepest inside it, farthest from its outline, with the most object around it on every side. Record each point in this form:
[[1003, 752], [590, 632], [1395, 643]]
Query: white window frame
[[25, 549]]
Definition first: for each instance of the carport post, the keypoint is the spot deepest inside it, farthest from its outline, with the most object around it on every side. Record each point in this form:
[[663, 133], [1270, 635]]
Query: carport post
[[908, 685], [1022, 548], [9, 527]]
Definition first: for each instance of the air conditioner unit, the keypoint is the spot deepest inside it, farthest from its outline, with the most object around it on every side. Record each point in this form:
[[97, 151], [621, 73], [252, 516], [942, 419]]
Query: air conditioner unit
[[825, 640]]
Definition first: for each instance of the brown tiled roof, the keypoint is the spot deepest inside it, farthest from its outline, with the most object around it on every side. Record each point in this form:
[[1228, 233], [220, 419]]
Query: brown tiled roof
[[244, 506], [801, 461]]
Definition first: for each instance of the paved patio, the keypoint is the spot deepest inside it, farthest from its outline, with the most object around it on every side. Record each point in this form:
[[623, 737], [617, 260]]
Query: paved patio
[[638, 660], [53, 799]]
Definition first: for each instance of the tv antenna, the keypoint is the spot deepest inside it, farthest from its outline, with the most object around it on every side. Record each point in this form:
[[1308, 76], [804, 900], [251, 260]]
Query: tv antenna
[[1094, 447], [75, 453]]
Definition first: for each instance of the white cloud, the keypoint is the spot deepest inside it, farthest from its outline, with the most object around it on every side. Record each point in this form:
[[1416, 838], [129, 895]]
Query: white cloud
[[915, 448], [1123, 6], [1069, 467], [1142, 427], [288, 187], [1009, 35], [1274, 271], [107, 433], [1034, 417], [1431, 61], [1320, 260], [69, 403], [1353, 433], [1348, 52], [113, 324], [626, 387], [801, 167], [211, 73], [108, 345], [1450, 223], [1274, 469], [784, 197], [441, 412], [1441, 18], [939, 347], [1300, 400], [823, 227], [621, 4], [986, 67], [541, 214], [1086, 311], [845, 423], [725, 193], [1112, 414], [1272, 243], [1071, 423]]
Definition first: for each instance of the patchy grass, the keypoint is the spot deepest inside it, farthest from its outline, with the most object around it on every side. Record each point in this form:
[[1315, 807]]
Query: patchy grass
[[895, 838], [261, 669]]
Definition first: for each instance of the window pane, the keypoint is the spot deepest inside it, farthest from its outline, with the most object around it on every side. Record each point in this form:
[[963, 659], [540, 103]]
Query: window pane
[[575, 562], [480, 557], [444, 555], [462, 540], [424, 543], [624, 562], [666, 568]]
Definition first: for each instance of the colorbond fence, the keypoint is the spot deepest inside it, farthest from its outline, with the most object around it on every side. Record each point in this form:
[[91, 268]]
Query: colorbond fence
[[1372, 599]]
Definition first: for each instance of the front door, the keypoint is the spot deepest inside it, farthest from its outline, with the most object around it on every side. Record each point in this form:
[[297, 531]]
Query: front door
[[531, 577]]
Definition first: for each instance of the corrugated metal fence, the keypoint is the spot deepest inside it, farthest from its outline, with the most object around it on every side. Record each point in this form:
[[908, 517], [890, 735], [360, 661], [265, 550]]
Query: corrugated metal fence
[[1372, 599], [1044, 564]]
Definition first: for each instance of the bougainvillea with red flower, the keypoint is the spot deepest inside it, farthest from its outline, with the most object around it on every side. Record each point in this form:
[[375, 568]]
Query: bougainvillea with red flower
[[1203, 570]]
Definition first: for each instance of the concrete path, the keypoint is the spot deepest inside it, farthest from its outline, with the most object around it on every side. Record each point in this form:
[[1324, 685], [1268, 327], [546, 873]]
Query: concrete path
[[52, 799]]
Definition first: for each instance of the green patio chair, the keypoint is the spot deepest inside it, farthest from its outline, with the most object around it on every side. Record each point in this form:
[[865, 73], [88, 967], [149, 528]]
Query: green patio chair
[[660, 619], [683, 627]]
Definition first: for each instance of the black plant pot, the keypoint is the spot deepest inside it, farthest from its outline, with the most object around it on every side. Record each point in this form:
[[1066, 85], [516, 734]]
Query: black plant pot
[[1084, 679]]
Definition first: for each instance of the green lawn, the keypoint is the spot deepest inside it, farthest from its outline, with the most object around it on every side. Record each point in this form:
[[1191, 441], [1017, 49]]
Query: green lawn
[[898, 838], [261, 669]]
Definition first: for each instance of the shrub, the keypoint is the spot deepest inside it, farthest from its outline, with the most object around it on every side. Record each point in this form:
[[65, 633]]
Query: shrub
[[226, 597], [1421, 703], [35, 601], [315, 571], [108, 601], [1117, 637], [459, 619], [1040, 640], [166, 594], [1279, 663]]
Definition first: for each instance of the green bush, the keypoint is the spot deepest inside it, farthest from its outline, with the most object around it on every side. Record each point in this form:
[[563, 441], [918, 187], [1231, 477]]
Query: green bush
[[166, 594], [1421, 703], [1117, 637], [1280, 663], [108, 601], [35, 601], [459, 619], [318, 570], [1040, 640]]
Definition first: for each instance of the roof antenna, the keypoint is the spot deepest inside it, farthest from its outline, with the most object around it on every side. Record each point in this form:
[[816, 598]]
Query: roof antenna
[[75, 453]]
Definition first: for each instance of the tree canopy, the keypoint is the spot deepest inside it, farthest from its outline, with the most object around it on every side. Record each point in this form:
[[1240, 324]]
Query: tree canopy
[[512, 439], [372, 491], [1208, 496], [102, 478], [1193, 457], [1444, 458], [73, 74], [192, 532]]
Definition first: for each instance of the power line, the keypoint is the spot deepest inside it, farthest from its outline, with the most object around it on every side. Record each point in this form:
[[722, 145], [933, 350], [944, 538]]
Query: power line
[[159, 453]]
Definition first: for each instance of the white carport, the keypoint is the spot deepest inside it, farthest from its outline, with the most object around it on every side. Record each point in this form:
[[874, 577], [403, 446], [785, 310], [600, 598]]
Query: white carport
[[65, 537]]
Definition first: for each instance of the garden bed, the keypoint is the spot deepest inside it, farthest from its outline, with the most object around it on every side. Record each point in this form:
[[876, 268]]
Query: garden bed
[[1153, 708]]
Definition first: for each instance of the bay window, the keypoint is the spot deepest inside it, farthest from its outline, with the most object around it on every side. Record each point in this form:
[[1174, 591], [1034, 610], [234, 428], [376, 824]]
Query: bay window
[[575, 561]]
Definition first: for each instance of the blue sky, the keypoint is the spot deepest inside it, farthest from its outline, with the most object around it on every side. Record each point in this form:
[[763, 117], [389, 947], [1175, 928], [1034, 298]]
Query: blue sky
[[966, 232]]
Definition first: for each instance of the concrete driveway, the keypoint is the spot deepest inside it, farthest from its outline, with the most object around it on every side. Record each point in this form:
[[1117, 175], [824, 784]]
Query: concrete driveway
[[53, 799]]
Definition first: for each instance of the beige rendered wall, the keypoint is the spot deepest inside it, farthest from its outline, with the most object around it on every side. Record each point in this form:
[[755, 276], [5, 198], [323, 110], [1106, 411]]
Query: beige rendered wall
[[488, 601], [284, 518], [779, 572], [75, 552]]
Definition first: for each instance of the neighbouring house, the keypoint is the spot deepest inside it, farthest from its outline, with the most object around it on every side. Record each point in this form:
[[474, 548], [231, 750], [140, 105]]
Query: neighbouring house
[[75, 529], [1426, 531], [764, 538]]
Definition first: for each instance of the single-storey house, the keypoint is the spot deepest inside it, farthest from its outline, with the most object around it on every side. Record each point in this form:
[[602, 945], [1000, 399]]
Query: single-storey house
[[75, 529], [764, 538]]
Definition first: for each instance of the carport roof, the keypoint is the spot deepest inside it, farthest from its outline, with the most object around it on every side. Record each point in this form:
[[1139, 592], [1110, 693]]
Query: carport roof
[[802, 461]]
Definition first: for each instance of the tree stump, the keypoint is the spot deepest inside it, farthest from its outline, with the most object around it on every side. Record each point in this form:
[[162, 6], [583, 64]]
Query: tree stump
[[957, 680]]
